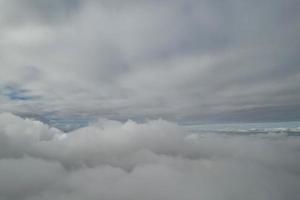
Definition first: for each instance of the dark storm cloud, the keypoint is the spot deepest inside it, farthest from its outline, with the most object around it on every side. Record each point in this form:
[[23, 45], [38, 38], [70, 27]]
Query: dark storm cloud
[[186, 61]]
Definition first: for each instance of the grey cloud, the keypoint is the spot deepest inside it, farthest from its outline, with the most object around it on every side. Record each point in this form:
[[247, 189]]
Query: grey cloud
[[98, 64], [32, 11], [179, 60], [24, 177]]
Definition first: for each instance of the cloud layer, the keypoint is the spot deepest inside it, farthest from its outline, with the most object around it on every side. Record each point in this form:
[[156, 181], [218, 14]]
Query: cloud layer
[[75, 63], [110, 160], [185, 61]]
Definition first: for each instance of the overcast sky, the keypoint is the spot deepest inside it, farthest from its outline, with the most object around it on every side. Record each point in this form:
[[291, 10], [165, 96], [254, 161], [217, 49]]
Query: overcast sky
[[188, 61], [93, 95]]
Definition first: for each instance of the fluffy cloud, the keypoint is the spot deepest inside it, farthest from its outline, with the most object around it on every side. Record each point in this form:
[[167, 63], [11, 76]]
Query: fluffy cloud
[[152, 160]]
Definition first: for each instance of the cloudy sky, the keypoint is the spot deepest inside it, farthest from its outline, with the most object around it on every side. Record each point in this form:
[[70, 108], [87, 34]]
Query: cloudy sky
[[187, 61], [93, 95]]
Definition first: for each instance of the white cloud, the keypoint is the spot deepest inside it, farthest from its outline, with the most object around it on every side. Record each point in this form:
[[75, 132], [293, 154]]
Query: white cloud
[[152, 160]]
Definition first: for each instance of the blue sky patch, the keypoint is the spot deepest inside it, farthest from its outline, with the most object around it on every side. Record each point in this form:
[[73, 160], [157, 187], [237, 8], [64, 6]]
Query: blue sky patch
[[17, 94]]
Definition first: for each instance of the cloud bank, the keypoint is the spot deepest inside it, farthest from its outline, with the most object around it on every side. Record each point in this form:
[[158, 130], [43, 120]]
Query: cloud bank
[[180, 60], [159, 160]]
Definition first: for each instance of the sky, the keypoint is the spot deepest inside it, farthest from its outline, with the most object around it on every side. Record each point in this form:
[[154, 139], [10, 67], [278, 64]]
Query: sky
[[123, 99], [70, 62]]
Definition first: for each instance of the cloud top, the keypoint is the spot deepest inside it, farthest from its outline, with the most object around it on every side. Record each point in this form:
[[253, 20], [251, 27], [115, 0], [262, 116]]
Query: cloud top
[[152, 160]]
